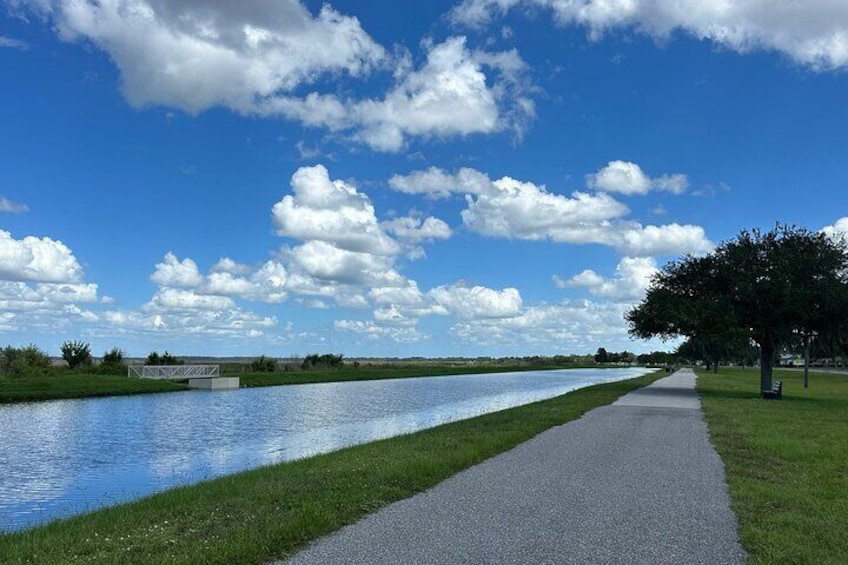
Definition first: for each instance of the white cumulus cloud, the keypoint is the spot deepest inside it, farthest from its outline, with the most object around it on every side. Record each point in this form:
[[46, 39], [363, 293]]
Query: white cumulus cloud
[[332, 212], [628, 178], [182, 322], [577, 325], [450, 95], [436, 183], [227, 265], [196, 55], [170, 299], [631, 280], [327, 262], [22, 296], [477, 301], [524, 210], [812, 32], [268, 283], [515, 209], [256, 58], [838, 229], [411, 231], [45, 306], [173, 272], [415, 229], [37, 259], [224, 283], [669, 239]]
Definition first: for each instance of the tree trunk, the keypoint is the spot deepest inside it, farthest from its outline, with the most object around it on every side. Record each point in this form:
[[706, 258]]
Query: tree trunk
[[806, 361], [766, 356]]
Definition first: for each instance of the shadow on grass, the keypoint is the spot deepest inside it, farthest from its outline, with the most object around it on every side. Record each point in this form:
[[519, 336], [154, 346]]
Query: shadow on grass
[[738, 394], [818, 401]]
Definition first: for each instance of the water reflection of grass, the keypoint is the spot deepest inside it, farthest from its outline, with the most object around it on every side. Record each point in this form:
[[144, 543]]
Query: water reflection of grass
[[265, 514], [786, 462]]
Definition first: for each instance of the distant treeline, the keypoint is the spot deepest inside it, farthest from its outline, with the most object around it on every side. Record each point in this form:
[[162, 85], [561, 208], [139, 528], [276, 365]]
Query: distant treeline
[[653, 358]]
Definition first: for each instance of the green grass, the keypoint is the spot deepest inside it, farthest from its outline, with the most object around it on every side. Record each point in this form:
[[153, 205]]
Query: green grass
[[348, 373], [786, 462], [264, 514], [76, 385], [67, 384]]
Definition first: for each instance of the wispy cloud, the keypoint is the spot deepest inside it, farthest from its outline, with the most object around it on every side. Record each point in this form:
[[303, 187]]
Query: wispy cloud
[[11, 206], [13, 43]]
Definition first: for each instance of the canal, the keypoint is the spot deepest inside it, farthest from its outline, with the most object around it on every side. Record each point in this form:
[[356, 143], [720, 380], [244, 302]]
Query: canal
[[64, 457]]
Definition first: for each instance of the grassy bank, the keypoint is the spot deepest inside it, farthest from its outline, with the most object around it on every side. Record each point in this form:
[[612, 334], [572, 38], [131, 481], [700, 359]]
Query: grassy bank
[[265, 514], [76, 385], [67, 384], [369, 373], [786, 462]]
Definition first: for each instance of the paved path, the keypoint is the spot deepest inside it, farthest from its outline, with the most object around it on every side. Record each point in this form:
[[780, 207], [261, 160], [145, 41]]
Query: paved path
[[634, 482]]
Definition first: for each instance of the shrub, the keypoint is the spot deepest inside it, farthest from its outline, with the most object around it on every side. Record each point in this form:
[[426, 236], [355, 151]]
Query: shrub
[[325, 361], [113, 357], [76, 353], [263, 364], [165, 359], [112, 363], [27, 361]]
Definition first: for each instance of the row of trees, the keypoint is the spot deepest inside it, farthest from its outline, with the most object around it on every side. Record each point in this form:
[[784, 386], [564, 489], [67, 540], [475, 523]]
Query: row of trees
[[604, 356], [762, 293], [653, 358], [31, 361]]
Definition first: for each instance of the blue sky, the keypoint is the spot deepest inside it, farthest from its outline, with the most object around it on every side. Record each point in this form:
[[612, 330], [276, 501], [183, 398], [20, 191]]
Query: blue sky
[[478, 177]]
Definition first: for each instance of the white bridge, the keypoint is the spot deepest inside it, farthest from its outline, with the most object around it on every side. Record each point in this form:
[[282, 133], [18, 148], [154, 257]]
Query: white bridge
[[199, 376]]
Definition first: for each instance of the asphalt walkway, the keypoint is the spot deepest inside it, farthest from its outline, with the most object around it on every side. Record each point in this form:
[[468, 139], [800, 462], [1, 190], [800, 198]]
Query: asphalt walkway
[[634, 482]]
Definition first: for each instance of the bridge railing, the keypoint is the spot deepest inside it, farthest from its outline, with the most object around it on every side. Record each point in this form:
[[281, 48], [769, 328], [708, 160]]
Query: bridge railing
[[174, 372]]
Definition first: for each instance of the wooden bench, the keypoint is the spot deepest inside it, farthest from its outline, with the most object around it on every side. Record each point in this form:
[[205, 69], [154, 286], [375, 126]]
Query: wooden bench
[[776, 391]]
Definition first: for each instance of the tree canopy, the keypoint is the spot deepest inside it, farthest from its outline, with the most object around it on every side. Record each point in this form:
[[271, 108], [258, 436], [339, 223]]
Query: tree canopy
[[76, 354], [771, 288]]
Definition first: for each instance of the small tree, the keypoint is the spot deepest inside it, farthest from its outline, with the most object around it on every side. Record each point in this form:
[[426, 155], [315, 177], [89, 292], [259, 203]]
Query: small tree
[[165, 359], [601, 356], [113, 362], [168, 359], [114, 357], [263, 364], [76, 354]]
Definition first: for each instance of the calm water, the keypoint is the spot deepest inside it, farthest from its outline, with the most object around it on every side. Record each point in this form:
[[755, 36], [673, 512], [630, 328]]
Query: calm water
[[65, 457]]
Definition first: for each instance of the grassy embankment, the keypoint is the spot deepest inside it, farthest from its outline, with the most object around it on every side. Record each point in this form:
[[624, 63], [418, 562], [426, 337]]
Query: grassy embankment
[[786, 462], [369, 373], [67, 384], [264, 514], [76, 385]]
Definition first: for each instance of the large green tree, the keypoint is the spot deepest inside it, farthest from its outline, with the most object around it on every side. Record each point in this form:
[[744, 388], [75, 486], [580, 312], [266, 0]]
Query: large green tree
[[766, 287]]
